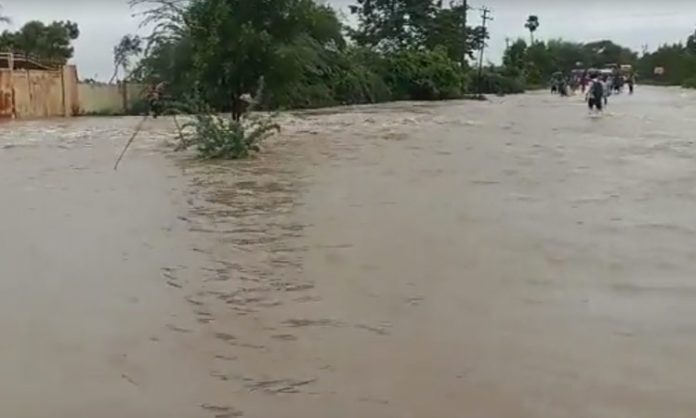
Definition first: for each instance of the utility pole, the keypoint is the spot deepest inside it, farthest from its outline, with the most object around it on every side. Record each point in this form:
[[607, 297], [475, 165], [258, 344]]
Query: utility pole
[[485, 12]]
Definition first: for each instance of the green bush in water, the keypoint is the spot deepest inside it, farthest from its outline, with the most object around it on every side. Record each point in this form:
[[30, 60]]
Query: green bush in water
[[220, 137]]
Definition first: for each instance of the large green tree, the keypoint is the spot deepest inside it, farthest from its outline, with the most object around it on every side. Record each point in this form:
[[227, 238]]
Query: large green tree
[[391, 25], [50, 43], [232, 44], [515, 58]]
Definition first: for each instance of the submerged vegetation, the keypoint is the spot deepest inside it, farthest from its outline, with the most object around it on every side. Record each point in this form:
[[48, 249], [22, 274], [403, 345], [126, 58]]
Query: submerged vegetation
[[214, 52]]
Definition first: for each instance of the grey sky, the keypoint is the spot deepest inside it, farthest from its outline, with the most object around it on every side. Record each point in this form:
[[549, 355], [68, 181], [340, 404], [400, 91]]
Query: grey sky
[[632, 23]]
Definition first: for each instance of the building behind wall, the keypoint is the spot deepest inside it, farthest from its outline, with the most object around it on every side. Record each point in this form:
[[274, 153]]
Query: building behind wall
[[30, 89]]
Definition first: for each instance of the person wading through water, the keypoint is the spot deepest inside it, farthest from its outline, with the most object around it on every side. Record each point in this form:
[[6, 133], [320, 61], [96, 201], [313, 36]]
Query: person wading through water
[[154, 99], [595, 94], [631, 82]]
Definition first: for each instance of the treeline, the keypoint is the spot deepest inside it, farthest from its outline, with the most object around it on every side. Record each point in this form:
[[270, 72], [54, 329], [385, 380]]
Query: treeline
[[677, 60], [219, 50], [535, 63]]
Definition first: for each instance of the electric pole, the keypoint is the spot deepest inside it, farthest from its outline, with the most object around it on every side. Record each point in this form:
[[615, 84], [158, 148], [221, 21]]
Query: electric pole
[[485, 12]]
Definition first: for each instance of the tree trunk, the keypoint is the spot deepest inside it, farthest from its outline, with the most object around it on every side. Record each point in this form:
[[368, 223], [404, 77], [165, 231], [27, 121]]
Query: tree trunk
[[236, 109]]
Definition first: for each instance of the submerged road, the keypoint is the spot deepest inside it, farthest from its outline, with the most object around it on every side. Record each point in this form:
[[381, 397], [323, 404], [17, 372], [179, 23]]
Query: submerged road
[[511, 259]]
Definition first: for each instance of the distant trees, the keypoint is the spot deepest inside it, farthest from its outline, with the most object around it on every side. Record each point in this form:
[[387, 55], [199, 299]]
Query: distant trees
[[50, 43], [678, 61], [539, 61]]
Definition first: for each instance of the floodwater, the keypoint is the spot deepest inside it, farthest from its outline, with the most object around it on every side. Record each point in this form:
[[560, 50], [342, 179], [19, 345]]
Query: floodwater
[[508, 259]]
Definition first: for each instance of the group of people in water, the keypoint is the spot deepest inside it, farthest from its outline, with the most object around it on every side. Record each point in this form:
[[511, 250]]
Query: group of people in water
[[596, 85]]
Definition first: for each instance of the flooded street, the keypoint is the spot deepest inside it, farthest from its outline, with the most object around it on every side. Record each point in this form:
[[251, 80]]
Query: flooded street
[[512, 258]]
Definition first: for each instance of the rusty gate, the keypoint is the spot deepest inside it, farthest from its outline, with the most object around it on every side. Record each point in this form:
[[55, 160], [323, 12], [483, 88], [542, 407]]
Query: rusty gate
[[6, 95]]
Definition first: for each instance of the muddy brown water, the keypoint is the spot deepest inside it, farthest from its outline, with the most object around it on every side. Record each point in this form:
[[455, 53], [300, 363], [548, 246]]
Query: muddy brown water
[[505, 259]]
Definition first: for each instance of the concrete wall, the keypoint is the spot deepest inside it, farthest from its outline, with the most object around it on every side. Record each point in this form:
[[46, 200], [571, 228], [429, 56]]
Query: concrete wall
[[108, 98], [50, 93], [70, 91]]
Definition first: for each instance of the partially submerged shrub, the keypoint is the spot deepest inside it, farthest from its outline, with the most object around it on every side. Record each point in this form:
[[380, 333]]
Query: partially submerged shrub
[[216, 136], [226, 137]]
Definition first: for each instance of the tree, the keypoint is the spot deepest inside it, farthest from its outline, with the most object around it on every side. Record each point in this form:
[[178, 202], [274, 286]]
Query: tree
[[515, 58], [678, 62], [565, 55], [233, 44], [691, 43], [477, 37], [129, 47], [49, 43], [532, 25], [448, 29], [393, 24], [602, 53]]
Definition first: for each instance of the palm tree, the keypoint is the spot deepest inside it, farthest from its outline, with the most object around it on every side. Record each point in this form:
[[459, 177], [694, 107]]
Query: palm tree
[[532, 25]]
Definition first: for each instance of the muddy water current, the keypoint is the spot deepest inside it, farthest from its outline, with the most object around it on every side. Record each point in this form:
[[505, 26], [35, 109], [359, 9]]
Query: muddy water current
[[512, 258]]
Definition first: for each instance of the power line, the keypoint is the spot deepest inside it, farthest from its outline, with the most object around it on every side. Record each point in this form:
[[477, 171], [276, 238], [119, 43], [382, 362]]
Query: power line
[[485, 12]]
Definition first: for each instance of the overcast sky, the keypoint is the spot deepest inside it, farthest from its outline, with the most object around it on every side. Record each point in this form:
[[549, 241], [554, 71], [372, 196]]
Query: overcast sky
[[631, 23]]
